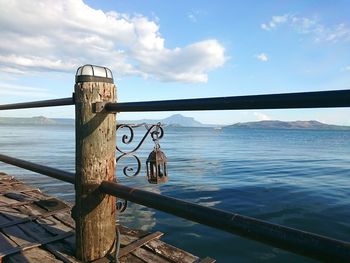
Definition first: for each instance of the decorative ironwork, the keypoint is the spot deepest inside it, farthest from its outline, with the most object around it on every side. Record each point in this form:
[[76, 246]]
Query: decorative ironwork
[[155, 131], [121, 205]]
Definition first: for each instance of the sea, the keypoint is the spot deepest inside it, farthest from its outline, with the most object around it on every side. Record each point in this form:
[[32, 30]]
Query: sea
[[297, 178]]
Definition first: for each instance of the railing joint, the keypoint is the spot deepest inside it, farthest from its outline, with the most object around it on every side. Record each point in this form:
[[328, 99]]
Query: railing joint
[[99, 106]]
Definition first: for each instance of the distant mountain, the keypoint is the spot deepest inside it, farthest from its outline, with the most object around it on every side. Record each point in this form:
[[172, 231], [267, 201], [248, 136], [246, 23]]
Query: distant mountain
[[300, 125], [176, 120], [41, 120], [37, 120], [181, 120], [64, 121]]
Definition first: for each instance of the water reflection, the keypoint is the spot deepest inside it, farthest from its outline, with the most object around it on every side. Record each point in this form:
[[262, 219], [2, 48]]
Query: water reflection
[[139, 217]]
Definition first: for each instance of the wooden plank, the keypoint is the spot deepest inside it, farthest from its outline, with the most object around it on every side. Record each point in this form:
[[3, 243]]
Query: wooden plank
[[66, 219], [139, 243], [3, 219], [54, 226], [30, 233], [5, 177], [19, 196], [6, 201], [31, 218], [126, 240], [15, 222], [34, 255], [170, 252], [17, 187], [207, 260], [132, 232], [51, 204], [62, 251], [11, 213], [17, 235], [6, 243], [46, 227], [130, 258], [37, 194], [28, 245], [50, 223], [149, 257], [15, 204]]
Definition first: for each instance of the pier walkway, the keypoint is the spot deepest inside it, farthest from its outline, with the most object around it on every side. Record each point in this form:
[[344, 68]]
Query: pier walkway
[[36, 227]]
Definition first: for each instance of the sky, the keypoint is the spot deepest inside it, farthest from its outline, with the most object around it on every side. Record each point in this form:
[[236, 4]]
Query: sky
[[160, 50]]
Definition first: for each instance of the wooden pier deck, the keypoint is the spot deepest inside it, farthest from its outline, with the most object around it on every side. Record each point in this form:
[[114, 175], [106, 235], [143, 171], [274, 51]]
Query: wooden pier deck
[[36, 227]]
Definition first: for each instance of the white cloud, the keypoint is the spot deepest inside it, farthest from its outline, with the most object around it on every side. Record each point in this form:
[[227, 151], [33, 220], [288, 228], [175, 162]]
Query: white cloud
[[347, 68], [62, 35], [275, 21], [22, 91], [261, 117], [35, 62], [194, 15], [310, 26], [184, 64], [262, 57]]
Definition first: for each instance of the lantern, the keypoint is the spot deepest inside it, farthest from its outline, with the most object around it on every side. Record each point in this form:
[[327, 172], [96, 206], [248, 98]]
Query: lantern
[[92, 73], [156, 166]]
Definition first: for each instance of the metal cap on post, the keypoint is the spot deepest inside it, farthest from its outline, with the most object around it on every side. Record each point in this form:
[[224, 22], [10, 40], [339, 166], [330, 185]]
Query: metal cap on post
[[95, 213]]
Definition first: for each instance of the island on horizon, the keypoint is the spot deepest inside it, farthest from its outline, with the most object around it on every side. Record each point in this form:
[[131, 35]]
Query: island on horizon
[[178, 120]]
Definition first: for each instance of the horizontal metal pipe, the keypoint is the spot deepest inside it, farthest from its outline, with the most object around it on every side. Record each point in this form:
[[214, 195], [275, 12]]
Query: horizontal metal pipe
[[45, 170], [297, 241], [38, 104], [318, 99]]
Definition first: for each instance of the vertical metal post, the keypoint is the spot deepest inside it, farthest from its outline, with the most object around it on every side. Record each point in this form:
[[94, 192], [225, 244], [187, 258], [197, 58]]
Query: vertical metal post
[[95, 213]]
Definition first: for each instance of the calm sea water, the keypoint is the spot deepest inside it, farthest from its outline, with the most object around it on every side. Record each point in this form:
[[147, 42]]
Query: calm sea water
[[291, 177]]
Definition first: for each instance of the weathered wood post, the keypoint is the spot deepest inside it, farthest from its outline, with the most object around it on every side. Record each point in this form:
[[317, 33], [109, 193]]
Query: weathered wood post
[[94, 212]]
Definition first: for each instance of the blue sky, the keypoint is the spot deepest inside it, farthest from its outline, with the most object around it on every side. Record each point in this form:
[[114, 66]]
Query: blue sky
[[185, 49]]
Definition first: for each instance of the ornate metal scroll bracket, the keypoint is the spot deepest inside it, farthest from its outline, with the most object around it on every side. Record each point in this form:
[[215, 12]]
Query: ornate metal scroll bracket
[[155, 131], [121, 205]]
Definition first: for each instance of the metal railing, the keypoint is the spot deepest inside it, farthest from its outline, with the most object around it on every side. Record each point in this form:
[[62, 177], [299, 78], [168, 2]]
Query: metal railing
[[319, 99], [38, 104], [297, 241]]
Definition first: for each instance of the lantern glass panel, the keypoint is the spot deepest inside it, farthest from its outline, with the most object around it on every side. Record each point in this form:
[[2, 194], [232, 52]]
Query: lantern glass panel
[[79, 71], [109, 73], [100, 72], [87, 70], [152, 170], [165, 170]]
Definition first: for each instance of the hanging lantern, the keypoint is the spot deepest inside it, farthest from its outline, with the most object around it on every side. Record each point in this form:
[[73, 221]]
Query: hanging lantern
[[156, 166]]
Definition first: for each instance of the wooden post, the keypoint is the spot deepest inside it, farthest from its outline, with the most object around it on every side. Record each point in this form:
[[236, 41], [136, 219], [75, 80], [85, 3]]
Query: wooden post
[[94, 212]]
